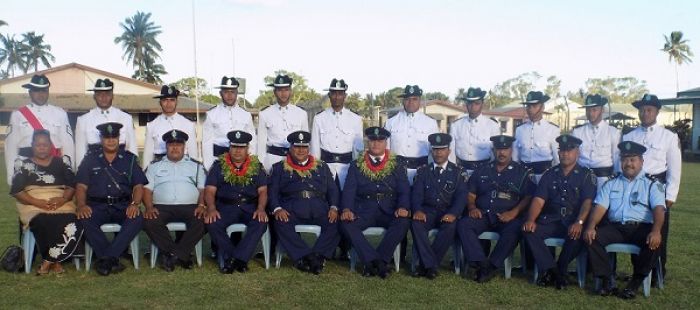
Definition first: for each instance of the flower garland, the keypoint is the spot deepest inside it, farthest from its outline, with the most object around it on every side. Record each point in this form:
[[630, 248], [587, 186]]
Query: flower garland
[[243, 176], [302, 171], [380, 171]]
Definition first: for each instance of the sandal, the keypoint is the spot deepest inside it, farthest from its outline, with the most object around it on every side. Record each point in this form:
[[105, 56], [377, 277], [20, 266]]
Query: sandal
[[57, 268], [44, 268]]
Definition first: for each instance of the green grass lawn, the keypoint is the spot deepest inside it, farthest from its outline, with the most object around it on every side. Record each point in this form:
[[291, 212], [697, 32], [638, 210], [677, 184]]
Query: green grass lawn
[[337, 287]]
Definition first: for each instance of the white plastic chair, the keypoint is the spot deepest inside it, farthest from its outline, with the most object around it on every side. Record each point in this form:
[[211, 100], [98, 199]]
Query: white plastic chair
[[456, 247], [375, 231], [493, 236], [113, 228], [177, 226], [615, 248], [265, 242], [310, 229]]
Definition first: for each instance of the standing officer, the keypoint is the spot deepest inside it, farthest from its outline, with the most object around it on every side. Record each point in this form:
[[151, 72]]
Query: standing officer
[[376, 194], [276, 122], [635, 206], [535, 145], [598, 149], [302, 192], [438, 198], [662, 159], [498, 193], [236, 192], [560, 207], [336, 137], [154, 147], [87, 138], [37, 115], [409, 130], [222, 119], [471, 133], [109, 190], [174, 193]]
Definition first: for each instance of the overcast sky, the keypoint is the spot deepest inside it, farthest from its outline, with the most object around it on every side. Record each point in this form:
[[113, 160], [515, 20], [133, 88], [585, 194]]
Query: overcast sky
[[440, 45]]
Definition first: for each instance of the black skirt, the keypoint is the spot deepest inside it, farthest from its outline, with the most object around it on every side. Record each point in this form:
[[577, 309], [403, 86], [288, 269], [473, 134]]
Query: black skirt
[[57, 235]]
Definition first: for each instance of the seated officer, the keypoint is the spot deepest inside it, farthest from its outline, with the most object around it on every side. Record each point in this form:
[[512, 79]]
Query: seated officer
[[236, 192], [635, 205], [498, 192], [438, 197], [109, 190], [561, 204], [303, 192], [174, 192], [376, 194]]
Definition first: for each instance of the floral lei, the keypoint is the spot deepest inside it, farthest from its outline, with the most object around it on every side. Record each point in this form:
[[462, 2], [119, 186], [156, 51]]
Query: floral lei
[[302, 171], [243, 176], [380, 171]]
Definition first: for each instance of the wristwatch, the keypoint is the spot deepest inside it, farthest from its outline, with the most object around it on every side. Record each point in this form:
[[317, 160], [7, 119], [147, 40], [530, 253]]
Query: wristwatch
[[580, 222]]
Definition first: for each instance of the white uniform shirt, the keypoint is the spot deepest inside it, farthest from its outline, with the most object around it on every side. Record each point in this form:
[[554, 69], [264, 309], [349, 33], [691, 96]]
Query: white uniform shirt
[[19, 134], [339, 133], [221, 120], [471, 138], [663, 154], [599, 147], [86, 132], [535, 142], [154, 136], [275, 123], [409, 136]]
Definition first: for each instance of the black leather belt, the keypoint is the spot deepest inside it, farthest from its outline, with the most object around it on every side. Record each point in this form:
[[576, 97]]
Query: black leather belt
[[629, 223], [109, 199], [538, 167], [277, 150], [378, 196], [473, 164], [235, 201], [218, 150], [603, 171], [342, 158], [413, 162], [661, 177], [305, 195]]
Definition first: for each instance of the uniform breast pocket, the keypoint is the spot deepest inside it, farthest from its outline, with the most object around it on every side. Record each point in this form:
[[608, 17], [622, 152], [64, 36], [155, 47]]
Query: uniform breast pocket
[[542, 148], [483, 144], [162, 173], [601, 150], [656, 151], [615, 199]]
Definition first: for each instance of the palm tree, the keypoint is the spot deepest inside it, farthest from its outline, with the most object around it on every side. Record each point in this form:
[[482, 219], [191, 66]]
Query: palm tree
[[36, 51], [679, 52], [152, 71], [12, 52], [139, 41]]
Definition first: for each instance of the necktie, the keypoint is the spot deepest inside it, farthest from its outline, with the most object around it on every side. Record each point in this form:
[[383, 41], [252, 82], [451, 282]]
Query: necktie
[[438, 169], [376, 161]]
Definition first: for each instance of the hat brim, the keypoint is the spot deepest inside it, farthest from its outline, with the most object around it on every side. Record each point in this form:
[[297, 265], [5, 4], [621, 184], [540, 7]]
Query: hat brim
[[176, 140], [279, 85], [36, 86], [639, 104], [227, 87], [439, 146], [300, 144], [336, 88], [165, 96], [408, 96], [113, 135], [592, 105], [238, 144], [101, 88]]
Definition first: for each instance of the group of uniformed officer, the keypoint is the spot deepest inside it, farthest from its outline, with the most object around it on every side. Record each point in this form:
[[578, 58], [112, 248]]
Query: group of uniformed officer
[[536, 185]]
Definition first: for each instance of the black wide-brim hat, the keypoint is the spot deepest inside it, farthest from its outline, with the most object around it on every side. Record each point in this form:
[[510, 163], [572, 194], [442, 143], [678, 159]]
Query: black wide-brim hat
[[38, 82], [648, 99], [168, 92], [411, 91], [337, 84], [281, 81], [473, 94], [228, 83], [102, 85], [535, 97], [594, 101]]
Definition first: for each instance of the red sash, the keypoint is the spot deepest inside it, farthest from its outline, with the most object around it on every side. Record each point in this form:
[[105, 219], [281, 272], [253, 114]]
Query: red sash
[[34, 122]]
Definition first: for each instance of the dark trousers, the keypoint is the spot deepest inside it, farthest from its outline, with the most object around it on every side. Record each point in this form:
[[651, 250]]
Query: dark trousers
[[396, 229], [157, 230], [664, 240], [543, 255], [244, 249], [618, 233], [103, 214], [293, 243], [431, 256], [469, 230]]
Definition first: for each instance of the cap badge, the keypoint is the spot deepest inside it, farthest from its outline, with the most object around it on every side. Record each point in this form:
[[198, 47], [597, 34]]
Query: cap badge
[[102, 83], [438, 139], [173, 134], [170, 90], [376, 131], [628, 146], [647, 97], [238, 134], [109, 128], [301, 136], [411, 90], [564, 139]]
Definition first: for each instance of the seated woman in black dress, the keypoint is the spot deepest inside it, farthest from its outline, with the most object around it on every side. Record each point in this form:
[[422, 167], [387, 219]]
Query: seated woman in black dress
[[43, 186]]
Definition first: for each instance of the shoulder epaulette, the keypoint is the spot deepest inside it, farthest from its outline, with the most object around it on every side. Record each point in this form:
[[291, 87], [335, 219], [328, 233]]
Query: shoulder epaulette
[[319, 112], [553, 124], [300, 107], [493, 119], [263, 109], [212, 108], [523, 123], [429, 116], [578, 126]]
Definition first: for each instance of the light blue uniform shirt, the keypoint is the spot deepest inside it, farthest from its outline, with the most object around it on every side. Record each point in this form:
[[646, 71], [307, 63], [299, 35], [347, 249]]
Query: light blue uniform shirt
[[175, 183], [632, 200]]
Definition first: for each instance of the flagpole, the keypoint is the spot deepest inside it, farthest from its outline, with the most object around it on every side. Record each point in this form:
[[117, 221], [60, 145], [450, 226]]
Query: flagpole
[[196, 83]]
